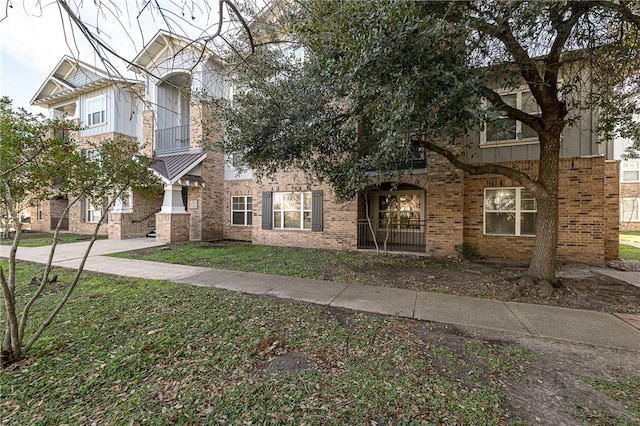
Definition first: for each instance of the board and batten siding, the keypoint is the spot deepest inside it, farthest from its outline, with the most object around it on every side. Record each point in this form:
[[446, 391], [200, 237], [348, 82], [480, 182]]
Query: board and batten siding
[[578, 140], [123, 113]]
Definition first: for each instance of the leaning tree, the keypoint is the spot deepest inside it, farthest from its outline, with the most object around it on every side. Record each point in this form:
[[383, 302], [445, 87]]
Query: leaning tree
[[41, 160]]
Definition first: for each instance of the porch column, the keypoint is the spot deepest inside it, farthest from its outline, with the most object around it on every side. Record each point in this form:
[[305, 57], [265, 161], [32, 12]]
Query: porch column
[[172, 202], [172, 223]]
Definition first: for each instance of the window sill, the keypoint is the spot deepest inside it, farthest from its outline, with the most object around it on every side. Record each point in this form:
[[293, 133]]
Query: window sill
[[240, 226], [91, 126], [508, 235], [513, 142]]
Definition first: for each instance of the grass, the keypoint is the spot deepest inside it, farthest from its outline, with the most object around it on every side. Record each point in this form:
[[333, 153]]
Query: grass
[[113, 357], [288, 261], [628, 252], [623, 389], [40, 239]]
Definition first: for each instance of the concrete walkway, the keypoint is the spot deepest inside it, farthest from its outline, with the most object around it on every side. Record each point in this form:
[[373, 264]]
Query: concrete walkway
[[570, 325]]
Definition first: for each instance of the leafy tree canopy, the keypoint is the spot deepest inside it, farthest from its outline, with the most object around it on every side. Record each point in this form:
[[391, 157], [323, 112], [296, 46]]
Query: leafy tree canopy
[[377, 73]]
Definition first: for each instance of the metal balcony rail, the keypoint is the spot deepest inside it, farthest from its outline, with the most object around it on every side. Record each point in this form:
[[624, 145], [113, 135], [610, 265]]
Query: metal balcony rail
[[173, 139], [404, 235]]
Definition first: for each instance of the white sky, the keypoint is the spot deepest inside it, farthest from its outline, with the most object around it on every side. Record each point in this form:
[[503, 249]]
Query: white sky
[[32, 38]]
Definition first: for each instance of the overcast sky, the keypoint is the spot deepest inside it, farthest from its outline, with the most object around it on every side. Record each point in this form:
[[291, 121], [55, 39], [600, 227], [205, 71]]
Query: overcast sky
[[33, 39]]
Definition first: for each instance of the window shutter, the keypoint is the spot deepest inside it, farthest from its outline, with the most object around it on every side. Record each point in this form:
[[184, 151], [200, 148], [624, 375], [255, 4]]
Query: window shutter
[[267, 210], [316, 211], [83, 209], [105, 203]]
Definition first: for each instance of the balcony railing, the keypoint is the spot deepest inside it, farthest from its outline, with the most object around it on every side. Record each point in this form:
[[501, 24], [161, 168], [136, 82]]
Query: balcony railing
[[173, 139], [406, 236]]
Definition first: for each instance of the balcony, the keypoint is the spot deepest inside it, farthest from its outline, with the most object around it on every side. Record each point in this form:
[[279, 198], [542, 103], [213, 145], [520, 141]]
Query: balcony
[[404, 236], [173, 139]]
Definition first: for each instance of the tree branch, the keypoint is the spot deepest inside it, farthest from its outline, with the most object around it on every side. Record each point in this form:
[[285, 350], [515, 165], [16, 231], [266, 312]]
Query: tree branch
[[620, 8], [483, 169], [532, 121]]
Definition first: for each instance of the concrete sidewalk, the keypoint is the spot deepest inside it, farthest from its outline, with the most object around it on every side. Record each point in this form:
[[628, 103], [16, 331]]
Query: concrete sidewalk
[[570, 325]]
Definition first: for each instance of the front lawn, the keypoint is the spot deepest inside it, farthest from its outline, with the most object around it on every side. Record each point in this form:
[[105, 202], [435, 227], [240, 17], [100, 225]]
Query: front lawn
[[131, 351], [128, 351], [40, 239], [332, 265]]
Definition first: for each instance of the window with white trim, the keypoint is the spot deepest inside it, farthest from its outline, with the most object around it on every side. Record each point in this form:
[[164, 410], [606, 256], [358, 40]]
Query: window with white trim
[[96, 110], [39, 211], [242, 210], [507, 130], [92, 154], [123, 203], [630, 170], [630, 208], [509, 211], [93, 213], [292, 210]]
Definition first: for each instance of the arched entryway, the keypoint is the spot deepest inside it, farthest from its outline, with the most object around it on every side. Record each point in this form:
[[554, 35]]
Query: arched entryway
[[393, 218], [57, 206]]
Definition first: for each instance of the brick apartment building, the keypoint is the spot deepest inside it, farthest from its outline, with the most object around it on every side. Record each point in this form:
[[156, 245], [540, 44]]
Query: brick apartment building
[[433, 210]]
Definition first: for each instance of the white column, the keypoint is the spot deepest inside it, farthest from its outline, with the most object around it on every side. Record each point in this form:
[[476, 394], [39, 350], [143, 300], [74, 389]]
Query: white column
[[172, 202]]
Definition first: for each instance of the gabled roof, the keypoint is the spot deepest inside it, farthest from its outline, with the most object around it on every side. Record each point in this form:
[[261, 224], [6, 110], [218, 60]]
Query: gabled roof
[[69, 79], [160, 42], [172, 167]]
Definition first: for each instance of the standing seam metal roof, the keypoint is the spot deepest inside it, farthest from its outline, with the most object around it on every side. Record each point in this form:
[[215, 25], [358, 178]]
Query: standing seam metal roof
[[170, 166]]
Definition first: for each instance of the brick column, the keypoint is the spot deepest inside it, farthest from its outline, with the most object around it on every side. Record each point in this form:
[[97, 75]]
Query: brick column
[[172, 227]]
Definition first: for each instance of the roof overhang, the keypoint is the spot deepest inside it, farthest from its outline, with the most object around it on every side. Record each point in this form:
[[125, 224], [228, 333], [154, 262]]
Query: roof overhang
[[162, 41], [179, 168], [56, 88]]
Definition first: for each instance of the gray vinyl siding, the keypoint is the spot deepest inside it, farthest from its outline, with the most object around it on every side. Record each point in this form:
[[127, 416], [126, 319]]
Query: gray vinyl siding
[[80, 77], [123, 113], [109, 125], [127, 113], [577, 141]]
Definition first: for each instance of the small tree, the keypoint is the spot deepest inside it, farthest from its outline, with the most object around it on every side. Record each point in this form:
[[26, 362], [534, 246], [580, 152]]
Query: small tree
[[38, 161], [383, 77]]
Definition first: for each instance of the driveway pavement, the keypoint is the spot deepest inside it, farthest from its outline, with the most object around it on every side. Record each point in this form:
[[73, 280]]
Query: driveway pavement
[[570, 325]]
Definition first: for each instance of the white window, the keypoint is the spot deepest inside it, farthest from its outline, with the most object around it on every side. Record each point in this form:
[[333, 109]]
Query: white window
[[242, 210], [509, 131], [96, 110], [509, 211], [93, 213], [630, 170], [294, 52], [92, 154], [292, 210], [123, 204], [237, 161], [39, 211], [630, 209]]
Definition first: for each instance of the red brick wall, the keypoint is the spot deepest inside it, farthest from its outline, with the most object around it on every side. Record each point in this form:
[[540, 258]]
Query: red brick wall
[[235, 188], [139, 222], [585, 209], [612, 210], [445, 206], [172, 228], [339, 219], [444, 211]]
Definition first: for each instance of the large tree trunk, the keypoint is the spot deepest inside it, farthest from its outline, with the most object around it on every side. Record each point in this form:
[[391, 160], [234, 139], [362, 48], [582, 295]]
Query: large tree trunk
[[543, 257]]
